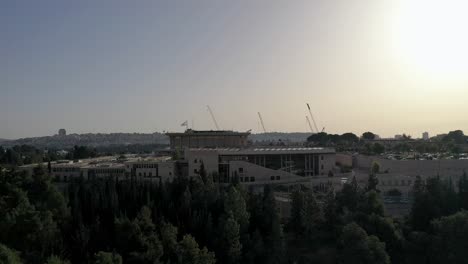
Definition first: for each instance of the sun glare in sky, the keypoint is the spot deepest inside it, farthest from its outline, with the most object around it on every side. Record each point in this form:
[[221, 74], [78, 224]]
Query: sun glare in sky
[[432, 36], [388, 66]]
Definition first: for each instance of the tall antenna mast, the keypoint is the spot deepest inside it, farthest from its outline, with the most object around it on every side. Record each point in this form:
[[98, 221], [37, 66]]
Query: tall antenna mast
[[213, 117], [310, 125], [261, 121], [312, 116]]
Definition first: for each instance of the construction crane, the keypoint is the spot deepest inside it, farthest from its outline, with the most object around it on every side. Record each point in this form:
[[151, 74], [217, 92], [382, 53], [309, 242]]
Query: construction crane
[[310, 125], [261, 121], [312, 116], [213, 117]]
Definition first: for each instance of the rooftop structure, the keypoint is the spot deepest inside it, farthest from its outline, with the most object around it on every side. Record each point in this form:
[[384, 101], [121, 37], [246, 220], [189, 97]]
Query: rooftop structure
[[208, 139]]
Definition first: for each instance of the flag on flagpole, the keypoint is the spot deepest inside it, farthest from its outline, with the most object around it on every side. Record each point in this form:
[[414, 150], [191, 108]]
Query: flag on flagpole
[[184, 123]]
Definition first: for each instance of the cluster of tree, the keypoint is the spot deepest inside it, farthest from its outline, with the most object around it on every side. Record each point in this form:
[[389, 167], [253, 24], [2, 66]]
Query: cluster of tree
[[456, 136], [346, 227], [324, 139], [198, 221], [81, 152], [373, 148], [24, 154], [270, 137], [90, 139], [450, 143], [352, 226], [369, 136], [348, 142], [107, 221]]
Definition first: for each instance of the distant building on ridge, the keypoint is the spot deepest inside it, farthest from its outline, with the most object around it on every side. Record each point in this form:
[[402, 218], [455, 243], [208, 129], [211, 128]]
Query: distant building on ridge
[[62, 132], [425, 136]]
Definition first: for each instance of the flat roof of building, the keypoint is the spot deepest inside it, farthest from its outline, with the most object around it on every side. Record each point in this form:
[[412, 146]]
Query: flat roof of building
[[191, 132], [268, 150], [104, 166], [101, 162]]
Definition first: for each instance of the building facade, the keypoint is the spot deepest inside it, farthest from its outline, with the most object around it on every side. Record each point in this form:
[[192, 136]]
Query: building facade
[[208, 139], [225, 156], [261, 165], [147, 169]]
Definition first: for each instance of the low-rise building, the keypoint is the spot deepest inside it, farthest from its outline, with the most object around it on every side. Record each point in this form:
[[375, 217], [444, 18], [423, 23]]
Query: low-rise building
[[153, 168], [225, 156], [261, 165]]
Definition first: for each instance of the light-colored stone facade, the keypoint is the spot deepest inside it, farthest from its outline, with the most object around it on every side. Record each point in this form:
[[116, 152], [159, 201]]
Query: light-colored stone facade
[[208, 139], [261, 165]]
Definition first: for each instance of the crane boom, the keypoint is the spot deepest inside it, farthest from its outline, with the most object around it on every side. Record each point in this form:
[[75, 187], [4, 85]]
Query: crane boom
[[213, 117], [313, 119], [261, 121], [310, 125]]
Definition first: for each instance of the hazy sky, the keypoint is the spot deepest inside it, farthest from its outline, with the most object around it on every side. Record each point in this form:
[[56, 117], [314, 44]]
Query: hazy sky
[[143, 66]]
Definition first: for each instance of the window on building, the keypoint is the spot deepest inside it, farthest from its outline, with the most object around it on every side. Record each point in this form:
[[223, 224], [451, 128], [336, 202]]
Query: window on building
[[195, 171], [65, 178], [241, 170], [272, 178], [195, 161], [150, 174], [321, 157], [322, 166], [278, 178], [139, 174], [252, 179], [241, 179], [170, 173]]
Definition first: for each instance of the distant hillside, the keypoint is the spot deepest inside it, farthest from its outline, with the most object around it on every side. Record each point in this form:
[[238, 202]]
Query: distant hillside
[[92, 140], [3, 140], [276, 136], [104, 140]]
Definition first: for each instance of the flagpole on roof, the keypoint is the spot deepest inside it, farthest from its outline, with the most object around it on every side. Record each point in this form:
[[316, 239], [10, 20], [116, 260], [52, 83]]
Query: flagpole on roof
[[185, 124]]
